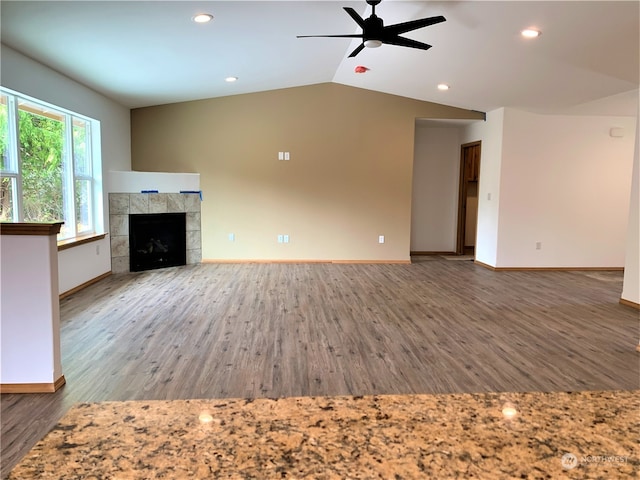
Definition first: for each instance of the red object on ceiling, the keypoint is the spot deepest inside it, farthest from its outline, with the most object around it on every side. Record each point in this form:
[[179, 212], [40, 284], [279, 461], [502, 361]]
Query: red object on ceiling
[[361, 69]]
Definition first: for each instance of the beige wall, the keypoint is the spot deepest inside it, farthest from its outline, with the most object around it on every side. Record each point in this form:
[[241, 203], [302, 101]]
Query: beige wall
[[348, 180]]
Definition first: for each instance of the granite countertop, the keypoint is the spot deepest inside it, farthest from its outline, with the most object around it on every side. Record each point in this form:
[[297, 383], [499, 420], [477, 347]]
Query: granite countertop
[[551, 435]]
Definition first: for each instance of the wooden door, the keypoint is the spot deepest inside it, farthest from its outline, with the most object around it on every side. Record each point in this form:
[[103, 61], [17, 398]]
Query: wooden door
[[469, 177]]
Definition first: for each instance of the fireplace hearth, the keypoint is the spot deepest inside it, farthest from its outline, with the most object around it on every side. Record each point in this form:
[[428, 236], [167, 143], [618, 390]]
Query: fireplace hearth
[[124, 206], [157, 240]]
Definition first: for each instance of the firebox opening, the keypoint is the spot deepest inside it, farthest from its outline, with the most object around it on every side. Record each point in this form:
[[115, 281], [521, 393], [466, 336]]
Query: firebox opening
[[157, 240]]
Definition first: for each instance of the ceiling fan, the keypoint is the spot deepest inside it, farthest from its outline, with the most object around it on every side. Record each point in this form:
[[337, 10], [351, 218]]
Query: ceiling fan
[[374, 33]]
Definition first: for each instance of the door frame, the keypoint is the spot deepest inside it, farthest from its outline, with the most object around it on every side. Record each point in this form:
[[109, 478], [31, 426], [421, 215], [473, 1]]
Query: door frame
[[462, 194]]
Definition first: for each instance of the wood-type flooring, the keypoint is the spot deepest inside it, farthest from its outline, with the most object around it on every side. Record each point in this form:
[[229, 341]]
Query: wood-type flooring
[[281, 330]]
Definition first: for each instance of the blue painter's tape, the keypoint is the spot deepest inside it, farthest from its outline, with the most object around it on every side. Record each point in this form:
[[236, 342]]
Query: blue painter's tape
[[148, 191], [199, 192]]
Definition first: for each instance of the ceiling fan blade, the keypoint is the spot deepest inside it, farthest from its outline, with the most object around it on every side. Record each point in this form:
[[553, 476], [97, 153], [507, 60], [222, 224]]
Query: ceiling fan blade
[[374, 29], [357, 50], [406, 42], [355, 35], [359, 20], [404, 27]]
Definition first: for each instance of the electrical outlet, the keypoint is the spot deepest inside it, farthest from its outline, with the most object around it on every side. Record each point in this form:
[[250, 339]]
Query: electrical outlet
[[286, 238], [287, 156], [538, 245], [232, 237], [280, 155], [380, 238], [280, 238]]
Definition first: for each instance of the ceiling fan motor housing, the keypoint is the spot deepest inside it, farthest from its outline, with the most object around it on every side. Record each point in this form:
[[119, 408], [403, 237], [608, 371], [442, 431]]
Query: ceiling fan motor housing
[[373, 28]]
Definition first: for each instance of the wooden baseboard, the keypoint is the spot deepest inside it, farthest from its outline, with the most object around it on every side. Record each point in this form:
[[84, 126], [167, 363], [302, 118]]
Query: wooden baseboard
[[550, 269], [33, 387], [631, 304], [212, 260], [84, 285], [559, 269], [432, 253], [485, 265], [257, 260], [402, 262]]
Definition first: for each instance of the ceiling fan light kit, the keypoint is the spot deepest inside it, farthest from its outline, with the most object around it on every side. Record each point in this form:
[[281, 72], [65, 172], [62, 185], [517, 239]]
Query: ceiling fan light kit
[[375, 33], [372, 43]]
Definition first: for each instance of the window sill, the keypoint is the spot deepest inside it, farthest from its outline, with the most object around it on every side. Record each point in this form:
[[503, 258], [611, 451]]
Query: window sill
[[75, 241]]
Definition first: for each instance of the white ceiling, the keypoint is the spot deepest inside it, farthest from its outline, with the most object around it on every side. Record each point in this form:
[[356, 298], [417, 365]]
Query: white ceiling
[[143, 53]]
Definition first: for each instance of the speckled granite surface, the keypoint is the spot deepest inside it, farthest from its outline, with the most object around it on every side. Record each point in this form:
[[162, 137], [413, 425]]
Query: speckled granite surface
[[394, 436]]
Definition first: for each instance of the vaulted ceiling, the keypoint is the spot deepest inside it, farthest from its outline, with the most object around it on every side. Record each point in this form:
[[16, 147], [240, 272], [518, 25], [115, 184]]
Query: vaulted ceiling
[[143, 53]]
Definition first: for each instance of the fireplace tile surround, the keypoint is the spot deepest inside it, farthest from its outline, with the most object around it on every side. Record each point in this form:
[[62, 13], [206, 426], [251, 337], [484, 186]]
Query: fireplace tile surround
[[121, 205]]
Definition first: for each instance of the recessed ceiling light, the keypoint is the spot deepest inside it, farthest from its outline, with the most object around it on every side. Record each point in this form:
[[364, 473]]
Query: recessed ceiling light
[[202, 18], [443, 86], [231, 79], [530, 33]]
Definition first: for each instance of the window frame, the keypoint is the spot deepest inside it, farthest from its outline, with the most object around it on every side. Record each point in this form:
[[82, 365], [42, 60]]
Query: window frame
[[71, 174]]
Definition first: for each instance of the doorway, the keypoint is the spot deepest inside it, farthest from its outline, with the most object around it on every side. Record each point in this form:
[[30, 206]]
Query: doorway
[[468, 198]]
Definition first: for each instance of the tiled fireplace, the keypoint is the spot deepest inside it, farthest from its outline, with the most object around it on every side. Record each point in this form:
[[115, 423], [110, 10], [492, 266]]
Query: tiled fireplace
[[121, 205]]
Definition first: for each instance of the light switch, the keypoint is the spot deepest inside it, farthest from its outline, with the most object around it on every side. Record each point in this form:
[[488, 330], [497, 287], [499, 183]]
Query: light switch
[[280, 238], [286, 156], [286, 238], [381, 239], [280, 155]]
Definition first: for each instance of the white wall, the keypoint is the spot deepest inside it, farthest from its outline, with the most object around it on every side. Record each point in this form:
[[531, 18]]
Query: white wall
[[82, 263], [29, 310], [490, 134], [564, 182], [559, 180], [631, 286], [436, 171], [79, 264], [135, 182]]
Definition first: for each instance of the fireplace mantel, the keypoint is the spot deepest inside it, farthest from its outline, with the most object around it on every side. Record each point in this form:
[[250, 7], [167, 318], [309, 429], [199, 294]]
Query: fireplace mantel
[[121, 205]]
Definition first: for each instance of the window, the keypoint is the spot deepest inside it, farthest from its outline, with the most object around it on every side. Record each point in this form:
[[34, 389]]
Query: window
[[47, 165]]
